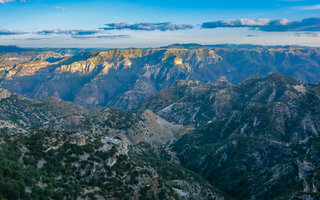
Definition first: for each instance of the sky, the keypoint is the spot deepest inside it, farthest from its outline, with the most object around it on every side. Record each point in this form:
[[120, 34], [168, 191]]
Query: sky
[[154, 23]]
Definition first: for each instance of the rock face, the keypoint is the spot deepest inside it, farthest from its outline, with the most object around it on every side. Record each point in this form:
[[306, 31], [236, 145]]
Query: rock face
[[4, 94], [9, 128], [124, 77]]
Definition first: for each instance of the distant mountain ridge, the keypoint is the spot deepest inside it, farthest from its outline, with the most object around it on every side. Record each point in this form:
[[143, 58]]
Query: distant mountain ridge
[[122, 78], [232, 46]]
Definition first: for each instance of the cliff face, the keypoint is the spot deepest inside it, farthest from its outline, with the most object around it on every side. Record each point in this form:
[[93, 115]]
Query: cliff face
[[123, 77]]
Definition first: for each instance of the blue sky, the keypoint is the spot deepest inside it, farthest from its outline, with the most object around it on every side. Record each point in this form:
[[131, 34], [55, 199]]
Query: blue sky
[[152, 23]]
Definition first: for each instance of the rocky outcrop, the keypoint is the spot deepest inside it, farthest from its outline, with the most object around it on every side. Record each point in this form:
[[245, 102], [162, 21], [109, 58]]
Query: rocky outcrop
[[28, 61], [4, 94], [27, 69], [9, 128]]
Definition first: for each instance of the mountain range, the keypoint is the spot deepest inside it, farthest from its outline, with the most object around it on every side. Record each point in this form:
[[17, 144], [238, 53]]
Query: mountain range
[[178, 122], [122, 78]]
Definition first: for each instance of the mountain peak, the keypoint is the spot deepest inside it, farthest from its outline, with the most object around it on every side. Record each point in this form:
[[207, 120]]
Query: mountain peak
[[278, 77]]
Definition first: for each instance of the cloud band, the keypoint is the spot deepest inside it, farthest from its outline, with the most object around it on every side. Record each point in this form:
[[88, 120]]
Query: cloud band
[[308, 24], [166, 26]]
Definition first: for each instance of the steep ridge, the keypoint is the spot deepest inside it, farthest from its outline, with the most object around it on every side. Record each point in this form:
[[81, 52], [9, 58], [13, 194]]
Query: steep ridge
[[258, 139], [191, 102], [124, 77], [206, 102], [54, 114]]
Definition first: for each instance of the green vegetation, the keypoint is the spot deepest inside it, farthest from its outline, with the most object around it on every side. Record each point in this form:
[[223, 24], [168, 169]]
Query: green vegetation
[[55, 165]]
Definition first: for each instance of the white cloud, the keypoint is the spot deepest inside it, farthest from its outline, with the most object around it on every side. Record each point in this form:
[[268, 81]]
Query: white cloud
[[164, 26], [282, 25], [313, 7], [10, 32], [8, 1], [67, 32], [60, 8]]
